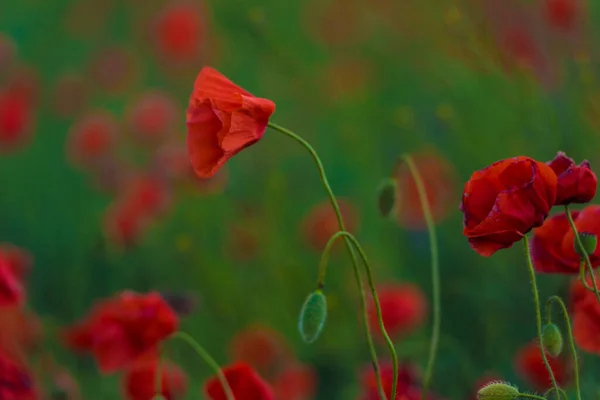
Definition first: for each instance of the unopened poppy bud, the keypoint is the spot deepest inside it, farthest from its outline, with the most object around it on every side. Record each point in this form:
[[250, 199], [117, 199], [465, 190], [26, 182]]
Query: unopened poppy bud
[[552, 340], [498, 391], [313, 316], [386, 197], [589, 241]]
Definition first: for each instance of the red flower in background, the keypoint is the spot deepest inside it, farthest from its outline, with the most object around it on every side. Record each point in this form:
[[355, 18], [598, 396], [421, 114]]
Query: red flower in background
[[16, 119], [180, 32], [153, 117], [244, 382], [529, 364], [586, 317], [295, 382], [320, 224], [124, 224], [16, 382], [92, 139], [439, 178], [504, 201], [562, 14], [222, 120], [121, 329], [553, 244], [139, 381], [408, 383], [14, 266], [403, 309], [21, 331], [576, 183]]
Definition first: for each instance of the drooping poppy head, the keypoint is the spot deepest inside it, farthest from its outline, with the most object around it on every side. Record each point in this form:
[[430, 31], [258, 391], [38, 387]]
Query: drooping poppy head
[[585, 316], [139, 382], [403, 308], [69, 95], [153, 117], [244, 382], [504, 201], [576, 183], [439, 179], [262, 347], [530, 366], [120, 330], [17, 382], [295, 382], [553, 244], [92, 139], [222, 120], [321, 223]]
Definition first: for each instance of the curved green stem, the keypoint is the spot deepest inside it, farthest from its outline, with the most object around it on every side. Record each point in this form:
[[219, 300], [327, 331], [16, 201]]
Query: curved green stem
[[586, 258], [207, 359], [342, 227], [571, 341], [538, 314], [562, 393], [321, 283], [435, 273]]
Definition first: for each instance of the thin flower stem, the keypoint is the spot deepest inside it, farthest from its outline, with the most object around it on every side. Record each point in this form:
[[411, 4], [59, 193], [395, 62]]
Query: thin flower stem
[[571, 341], [342, 227], [586, 258], [207, 359], [435, 272], [538, 314], [562, 393]]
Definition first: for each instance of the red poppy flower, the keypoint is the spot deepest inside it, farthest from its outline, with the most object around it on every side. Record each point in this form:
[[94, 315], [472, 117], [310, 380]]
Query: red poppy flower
[[121, 329], [403, 309], [124, 224], [504, 201], [562, 14], [92, 138], [586, 317], [529, 364], [439, 178], [12, 291], [262, 347], [576, 183], [295, 382], [20, 260], [152, 117], [222, 120], [180, 32], [70, 95], [21, 331], [244, 382], [16, 118], [407, 388], [553, 244], [17, 382], [139, 381], [146, 194], [320, 224]]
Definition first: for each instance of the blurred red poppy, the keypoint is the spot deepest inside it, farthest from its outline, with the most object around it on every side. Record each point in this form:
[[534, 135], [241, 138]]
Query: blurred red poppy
[[408, 383], [12, 292], [586, 317], [222, 120], [153, 117], [180, 31], [146, 194], [403, 309], [70, 95], [16, 119], [553, 244], [562, 14], [504, 201], [121, 329], [244, 382], [295, 382], [320, 224], [21, 331], [529, 364], [439, 178], [124, 224], [576, 183], [92, 138], [139, 382], [17, 382]]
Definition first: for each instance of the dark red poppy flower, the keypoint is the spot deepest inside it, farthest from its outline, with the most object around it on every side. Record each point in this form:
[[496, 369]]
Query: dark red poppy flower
[[320, 224], [244, 382], [12, 291], [553, 244], [139, 382], [439, 179], [16, 382], [576, 183], [70, 95], [222, 120], [262, 347], [504, 201], [16, 119], [92, 138], [19, 259], [562, 14], [295, 382], [529, 364], [152, 117], [121, 329], [408, 383], [585, 316], [180, 32], [403, 308]]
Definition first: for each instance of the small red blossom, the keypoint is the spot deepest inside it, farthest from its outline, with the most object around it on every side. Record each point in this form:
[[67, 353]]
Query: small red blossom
[[403, 309], [139, 382], [124, 224], [562, 14], [529, 364], [222, 120], [576, 183], [92, 138], [586, 317], [321, 223], [553, 244], [152, 117], [16, 119], [504, 201], [121, 329], [16, 381], [21, 331], [244, 382], [295, 382], [12, 291], [180, 32]]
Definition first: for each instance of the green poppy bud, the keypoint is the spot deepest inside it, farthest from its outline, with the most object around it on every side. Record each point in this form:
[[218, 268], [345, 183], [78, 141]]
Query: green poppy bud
[[386, 197], [313, 316], [589, 241], [498, 391], [552, 340]]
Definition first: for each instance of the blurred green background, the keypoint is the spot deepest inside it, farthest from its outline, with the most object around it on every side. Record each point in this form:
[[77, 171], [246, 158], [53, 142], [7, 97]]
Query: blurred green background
[[363, 81]]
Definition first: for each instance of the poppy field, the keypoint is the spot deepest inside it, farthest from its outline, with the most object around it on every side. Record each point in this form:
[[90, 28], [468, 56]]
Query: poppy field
[[303, 200]]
